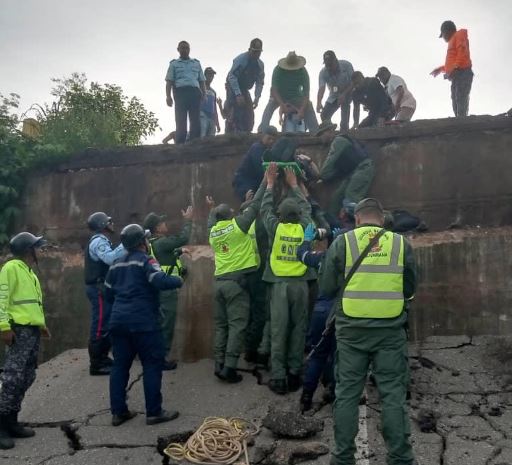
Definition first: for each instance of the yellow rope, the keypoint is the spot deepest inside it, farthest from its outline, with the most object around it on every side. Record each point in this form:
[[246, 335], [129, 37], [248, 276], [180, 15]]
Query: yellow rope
[[217, 441]]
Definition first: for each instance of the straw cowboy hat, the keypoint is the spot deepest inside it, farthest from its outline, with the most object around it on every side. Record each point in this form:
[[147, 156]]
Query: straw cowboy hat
[[292, 62]]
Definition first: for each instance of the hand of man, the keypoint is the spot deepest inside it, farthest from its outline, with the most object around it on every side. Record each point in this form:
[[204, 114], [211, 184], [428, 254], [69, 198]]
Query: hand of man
[[188, 213], [336, 232], [255, 103], [169, 101], [309, 233], [300, 114], [284, 108], [210, 201], [249, 195], [219, 101], [291, 177], [8, 337], [218, 127], [240, 100], [319, 107], [436, 71], [341, 100], [271, 175], [45, 332]]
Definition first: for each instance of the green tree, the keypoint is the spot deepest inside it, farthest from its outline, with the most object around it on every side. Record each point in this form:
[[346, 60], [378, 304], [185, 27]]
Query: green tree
[[93, 115]]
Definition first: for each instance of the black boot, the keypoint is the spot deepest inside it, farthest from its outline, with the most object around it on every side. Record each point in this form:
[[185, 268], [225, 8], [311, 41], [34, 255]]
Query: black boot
[[98, 365], [251, 356], [6, 441], [218, 368], [329, 395], [294, 382], [306, 401], [278, 386], [230, 375], [262, 360], [16, 430]]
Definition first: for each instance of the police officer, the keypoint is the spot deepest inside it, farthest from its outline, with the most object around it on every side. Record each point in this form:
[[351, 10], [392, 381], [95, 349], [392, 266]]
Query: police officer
[[288, 281], [235, 258], [370, 329], [167, 250], [22, 323], [98, 256], [132, 284]]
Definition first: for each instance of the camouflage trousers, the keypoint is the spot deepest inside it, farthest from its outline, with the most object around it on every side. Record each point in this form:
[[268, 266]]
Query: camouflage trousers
[[19, 368]]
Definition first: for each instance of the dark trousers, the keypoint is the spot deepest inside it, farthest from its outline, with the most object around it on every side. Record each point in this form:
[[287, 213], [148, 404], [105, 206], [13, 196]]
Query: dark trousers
[[331, 107], [99, 338], [321, 363], [462, 79], [19, 368], [241, 116], [149, 346], [258, 310], [187, 103]]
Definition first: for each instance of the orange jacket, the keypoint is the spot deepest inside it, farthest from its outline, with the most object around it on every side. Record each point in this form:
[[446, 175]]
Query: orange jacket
[[457, 55]]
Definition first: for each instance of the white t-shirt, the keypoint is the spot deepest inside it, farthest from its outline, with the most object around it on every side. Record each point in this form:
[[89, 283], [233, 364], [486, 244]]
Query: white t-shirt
[[391, 88]]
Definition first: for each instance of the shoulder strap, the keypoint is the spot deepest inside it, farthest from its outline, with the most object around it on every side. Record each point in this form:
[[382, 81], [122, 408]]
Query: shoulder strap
[[363, 255]]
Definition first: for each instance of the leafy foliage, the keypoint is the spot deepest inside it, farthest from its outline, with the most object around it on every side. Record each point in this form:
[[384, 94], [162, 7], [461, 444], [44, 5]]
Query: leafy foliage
[[93, 116], [81, 116]]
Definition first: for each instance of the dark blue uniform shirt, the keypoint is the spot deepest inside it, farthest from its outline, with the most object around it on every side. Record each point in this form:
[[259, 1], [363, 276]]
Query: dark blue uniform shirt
[[132, 283]]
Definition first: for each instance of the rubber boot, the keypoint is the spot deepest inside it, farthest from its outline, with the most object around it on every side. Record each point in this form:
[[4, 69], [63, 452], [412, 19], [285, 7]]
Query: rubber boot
[[218, 368], [6, 441], [306, 401], [230, 375], [16, 430], [278, 386]]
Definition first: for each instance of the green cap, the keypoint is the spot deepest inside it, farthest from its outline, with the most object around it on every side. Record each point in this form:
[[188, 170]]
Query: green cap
[[368, 203], [152, 220]]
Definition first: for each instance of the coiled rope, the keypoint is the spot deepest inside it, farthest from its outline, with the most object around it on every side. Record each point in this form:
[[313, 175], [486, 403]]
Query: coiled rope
[[216, 441]]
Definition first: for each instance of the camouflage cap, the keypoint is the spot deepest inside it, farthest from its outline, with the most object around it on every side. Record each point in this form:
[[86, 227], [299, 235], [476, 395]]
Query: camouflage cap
[[368, 203], [152, 220]]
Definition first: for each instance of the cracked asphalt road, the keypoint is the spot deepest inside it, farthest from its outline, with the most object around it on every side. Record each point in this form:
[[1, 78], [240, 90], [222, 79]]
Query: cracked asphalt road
[[461, 410]]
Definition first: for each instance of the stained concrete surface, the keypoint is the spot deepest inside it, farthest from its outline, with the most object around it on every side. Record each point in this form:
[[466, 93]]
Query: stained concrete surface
[[461, 397]]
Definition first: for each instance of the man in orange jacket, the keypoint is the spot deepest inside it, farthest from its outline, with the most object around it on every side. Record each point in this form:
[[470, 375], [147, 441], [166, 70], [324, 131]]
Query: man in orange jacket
[[457, 67]]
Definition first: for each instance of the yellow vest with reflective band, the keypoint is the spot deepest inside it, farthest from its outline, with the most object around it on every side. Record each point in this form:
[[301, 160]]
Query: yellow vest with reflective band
[[234, 250], [21, 299], [176, 269], [376, 288], [252, 233], [283, 257]]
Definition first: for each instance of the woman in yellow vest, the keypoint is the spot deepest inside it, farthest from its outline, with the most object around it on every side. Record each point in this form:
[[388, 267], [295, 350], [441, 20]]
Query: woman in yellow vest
[[21, 324], [370, 329], [235, 258], [288, 281]]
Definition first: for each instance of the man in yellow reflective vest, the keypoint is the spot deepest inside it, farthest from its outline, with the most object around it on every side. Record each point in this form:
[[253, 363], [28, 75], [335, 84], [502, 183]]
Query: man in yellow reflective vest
[[370, 329], [235, 259], [288, 278], [22, 323], [167, 249]]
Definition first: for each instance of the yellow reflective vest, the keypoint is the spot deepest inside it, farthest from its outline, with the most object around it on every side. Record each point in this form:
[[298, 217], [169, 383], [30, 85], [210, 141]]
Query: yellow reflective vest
[[173, 270], [376, 288], [252, 233], [283, 256], [233, 248], [21, 299]]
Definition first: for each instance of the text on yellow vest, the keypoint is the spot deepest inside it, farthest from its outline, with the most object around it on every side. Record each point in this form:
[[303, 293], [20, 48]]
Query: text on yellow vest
[[283, 257], [233, 248]]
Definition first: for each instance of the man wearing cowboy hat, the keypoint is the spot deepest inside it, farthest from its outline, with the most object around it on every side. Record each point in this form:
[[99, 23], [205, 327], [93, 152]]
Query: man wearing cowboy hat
[[290, 92]]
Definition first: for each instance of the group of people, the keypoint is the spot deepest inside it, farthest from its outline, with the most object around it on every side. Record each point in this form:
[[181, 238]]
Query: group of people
[[385, 97], [275, 294]]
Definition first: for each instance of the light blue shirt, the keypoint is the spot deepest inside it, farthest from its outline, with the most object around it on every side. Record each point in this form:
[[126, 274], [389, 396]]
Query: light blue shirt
[[185, 73], [336, 83], [100, 249], [240, 63]]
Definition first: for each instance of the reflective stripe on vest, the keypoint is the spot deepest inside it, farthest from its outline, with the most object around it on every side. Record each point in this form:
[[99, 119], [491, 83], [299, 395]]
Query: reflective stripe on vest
[[283, 257], [252, 233], [232, 247], [376, 288], [173, 270]]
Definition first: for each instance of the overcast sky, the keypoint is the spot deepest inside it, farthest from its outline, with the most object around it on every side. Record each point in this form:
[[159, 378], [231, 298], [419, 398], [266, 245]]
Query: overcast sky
[[130, 43]]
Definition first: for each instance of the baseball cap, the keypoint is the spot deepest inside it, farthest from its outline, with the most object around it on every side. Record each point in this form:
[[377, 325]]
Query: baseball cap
[[447, 26], [381, 70], [152, 220], [368, 203], [210, 70]]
